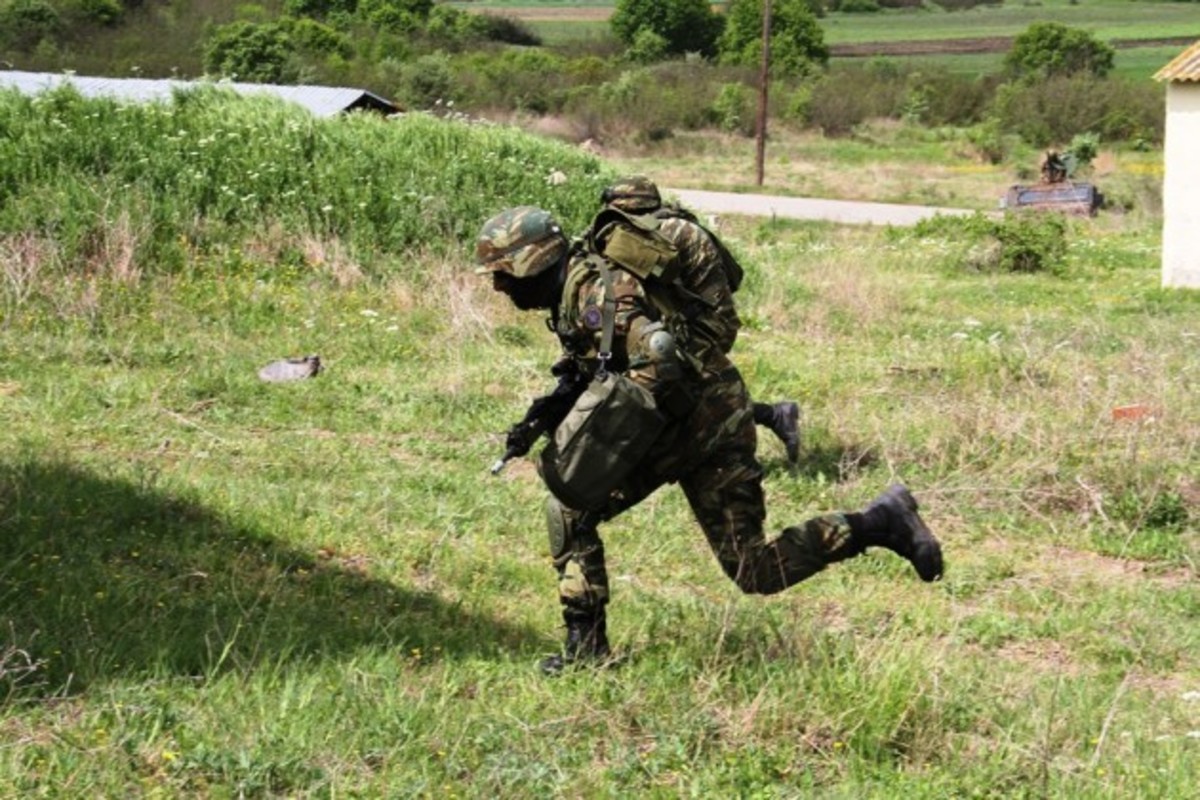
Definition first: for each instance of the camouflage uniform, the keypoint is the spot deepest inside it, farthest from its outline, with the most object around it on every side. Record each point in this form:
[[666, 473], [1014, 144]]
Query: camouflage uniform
[[699, 249], [709, 452], [707, 444]]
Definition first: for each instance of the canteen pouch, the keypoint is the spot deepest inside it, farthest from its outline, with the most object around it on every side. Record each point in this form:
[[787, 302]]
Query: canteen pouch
[[606, 433]]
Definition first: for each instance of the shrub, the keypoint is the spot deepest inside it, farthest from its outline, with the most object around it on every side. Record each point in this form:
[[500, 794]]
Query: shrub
[[249, 51], [989, 141], [1032, 242], [1055, 110], [317, 38], [649, 101], [426, 81], [797, 41], [318, 9], [733, 109], [647, 47], [953, 99], [527, 80], [105, 12], [24, 23], [1083, 150], [1018, 242], [859, 7], [509, 30], [1047, 49], [687, 26], [845, 98]]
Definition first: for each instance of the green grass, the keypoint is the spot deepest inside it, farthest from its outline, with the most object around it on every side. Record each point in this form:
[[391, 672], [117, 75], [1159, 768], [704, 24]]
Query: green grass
[[1136, 63], [1105, 19], [216, 587]]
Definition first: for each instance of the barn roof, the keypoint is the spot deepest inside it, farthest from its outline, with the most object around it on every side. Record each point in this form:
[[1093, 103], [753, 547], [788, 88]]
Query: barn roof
[[1185, 67], [322, 101]]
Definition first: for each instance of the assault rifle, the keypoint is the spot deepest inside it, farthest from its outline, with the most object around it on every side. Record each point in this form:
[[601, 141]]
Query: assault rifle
[[544, 414]]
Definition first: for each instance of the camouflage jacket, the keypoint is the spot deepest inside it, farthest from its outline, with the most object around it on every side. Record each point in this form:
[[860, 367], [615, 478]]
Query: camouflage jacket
[[641, 311]]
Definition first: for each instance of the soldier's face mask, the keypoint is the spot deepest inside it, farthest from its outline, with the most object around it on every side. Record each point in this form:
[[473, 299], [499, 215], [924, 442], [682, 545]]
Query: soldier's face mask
[[528, 294]]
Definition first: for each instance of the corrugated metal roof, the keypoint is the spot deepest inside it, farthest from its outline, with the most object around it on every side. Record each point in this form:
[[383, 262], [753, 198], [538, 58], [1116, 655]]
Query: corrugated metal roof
[[1184, 67], [322, 101]]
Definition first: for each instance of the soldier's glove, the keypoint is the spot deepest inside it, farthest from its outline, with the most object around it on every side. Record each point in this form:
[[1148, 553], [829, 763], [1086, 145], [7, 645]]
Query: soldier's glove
[[519, 440]]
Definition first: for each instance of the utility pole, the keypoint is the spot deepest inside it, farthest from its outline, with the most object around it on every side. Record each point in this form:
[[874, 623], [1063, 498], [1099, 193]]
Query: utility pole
[[761, 144]]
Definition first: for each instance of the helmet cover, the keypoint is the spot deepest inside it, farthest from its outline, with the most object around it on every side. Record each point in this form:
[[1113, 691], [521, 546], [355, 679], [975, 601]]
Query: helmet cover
[[522, 242], [633, 193]]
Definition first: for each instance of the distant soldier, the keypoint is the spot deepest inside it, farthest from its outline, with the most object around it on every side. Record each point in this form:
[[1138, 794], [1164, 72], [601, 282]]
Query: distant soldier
[[709, 266], [653, 401], [1054, 168]]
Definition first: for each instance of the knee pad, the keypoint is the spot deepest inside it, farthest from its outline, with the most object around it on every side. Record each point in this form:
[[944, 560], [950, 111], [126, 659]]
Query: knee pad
[[563, 526]]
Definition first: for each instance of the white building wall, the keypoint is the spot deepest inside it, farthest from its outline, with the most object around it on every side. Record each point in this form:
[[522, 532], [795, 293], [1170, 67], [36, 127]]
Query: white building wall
[[1181, 187]]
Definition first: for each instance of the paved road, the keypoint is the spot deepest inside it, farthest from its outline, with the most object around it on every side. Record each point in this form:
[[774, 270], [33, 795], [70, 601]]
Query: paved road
[[846, 211]]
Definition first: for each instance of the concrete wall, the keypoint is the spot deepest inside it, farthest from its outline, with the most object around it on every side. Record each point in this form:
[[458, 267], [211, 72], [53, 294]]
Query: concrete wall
[[1181, 187]]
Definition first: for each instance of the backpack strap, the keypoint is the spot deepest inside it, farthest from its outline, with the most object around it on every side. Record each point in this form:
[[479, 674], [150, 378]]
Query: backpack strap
[[609, 319]]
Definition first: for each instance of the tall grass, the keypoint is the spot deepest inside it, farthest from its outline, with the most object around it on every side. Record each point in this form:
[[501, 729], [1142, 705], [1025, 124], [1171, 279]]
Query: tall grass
[[209, 172]]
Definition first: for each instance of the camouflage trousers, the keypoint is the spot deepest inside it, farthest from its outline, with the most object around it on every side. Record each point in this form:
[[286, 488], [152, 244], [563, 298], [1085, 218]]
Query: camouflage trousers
[[711, 455]]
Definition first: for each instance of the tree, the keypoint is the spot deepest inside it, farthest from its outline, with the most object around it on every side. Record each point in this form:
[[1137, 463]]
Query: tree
[[24, 23], [250, 52], [797, 41], [688, 26], [1047, 49]]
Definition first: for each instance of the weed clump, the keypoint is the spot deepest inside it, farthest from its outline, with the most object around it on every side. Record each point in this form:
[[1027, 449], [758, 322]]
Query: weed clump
[[1013, 243]]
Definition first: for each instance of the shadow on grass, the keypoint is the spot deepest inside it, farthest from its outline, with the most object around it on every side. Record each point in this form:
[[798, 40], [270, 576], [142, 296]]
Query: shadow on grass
[[825, 460], [100, 578]]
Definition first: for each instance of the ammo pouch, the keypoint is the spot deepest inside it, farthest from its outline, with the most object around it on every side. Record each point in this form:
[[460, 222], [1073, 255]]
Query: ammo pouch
[[635, 244], [605, 434]]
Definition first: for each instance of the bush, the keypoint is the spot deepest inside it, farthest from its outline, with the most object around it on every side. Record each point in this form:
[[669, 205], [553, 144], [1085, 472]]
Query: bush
[[316, 38], [1018, 242], [509, 30], [249, 51], [649, 102], [845, 98], [990, 142], [859, 7], [1047, 112], [426, 82], [318, 9], [733, 110], [1032, 242], [1048, 49], [687, 26], [1083, 150], [647, 48], [24, 23], [797, 41], [527, 80], [105, 12]]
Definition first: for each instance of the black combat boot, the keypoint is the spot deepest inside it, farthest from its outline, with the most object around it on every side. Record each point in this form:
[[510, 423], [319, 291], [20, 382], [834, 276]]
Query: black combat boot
[[892, 521], [784, 421], [587, 641], [786, 426]]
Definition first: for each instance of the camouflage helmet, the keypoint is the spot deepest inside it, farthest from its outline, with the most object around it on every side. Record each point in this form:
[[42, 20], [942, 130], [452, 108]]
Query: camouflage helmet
[[634, 193], [521, 241]]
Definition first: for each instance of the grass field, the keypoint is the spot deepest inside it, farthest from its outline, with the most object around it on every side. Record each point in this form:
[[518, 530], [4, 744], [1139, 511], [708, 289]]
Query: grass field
[[215, 587]]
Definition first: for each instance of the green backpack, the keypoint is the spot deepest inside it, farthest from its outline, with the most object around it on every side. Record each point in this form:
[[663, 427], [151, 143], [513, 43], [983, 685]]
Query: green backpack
[[636, 243]]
